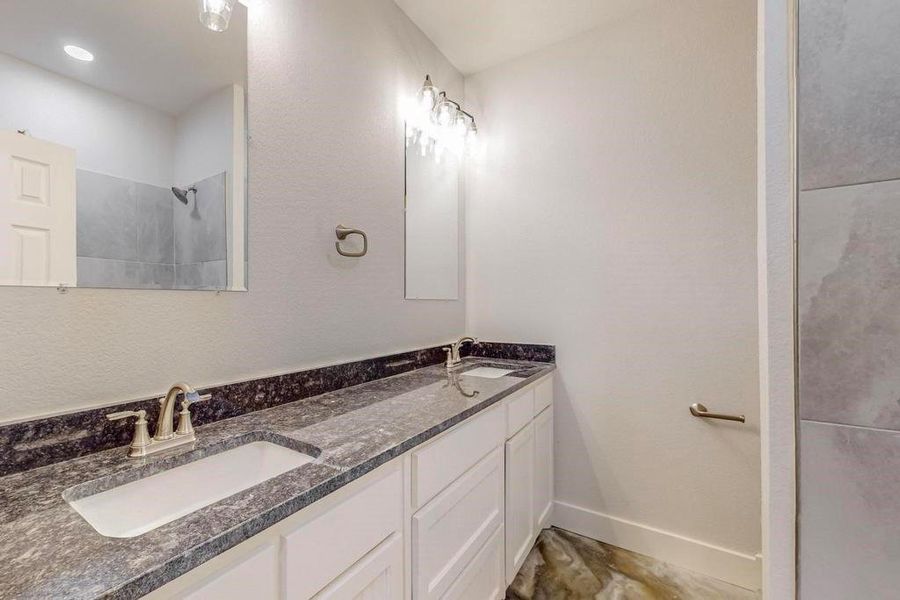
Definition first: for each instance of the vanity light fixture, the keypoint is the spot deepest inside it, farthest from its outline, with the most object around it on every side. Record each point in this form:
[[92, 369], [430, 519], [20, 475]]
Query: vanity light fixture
[[78, 53], [216, 14], [437, 124]]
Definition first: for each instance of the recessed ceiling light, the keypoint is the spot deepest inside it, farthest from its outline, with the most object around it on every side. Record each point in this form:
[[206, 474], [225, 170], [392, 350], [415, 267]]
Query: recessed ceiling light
[[78, 53]]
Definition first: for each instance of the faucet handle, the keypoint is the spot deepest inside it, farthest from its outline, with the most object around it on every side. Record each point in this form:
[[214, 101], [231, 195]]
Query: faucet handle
[[185, 427], [141, 438], [124, 414]]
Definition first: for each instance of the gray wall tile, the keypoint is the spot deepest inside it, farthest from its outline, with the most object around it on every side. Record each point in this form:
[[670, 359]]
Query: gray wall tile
[[849, 92], [849, 513], [849, 288], [205, 275], [155, 224], [200, 234], [110, 273], [106, 216]]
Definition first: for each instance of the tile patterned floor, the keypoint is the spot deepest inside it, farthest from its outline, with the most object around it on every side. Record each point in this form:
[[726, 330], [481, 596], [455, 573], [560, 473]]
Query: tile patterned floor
[[566, 566]]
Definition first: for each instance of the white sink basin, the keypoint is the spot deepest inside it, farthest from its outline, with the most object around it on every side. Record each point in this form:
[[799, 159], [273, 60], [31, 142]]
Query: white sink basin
[[489, 372], [143, 505]]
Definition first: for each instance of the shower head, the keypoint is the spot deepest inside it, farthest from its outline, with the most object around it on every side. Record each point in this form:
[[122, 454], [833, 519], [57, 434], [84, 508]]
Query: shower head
[[182, 194]]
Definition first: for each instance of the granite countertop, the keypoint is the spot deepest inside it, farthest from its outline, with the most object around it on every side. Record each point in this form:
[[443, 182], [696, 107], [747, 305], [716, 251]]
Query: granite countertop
[[47, 550]]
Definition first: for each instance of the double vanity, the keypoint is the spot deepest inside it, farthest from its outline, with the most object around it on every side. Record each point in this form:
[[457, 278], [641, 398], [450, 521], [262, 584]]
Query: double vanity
[[432, 483]]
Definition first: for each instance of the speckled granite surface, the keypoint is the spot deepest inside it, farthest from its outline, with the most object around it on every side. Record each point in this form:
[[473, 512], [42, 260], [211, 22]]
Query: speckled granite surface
[[32, 444], [48, 551]]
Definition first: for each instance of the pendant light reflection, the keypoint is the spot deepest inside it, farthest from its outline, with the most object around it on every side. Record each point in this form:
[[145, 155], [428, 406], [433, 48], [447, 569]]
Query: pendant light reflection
[[438, 124], [216, 14]]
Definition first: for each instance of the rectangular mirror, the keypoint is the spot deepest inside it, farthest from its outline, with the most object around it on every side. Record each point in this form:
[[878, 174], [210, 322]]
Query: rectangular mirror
[[123, 155], [432, 224]]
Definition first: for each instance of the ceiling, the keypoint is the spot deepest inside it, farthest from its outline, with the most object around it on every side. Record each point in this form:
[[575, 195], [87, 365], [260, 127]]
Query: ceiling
[[154, 52], [477, 34]]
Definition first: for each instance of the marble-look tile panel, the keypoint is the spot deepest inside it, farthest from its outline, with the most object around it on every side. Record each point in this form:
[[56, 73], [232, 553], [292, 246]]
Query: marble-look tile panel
[[564, 565], [849, 92], [849, 287], [109, 273], [155, 224], [211, 275], [106, 216], [200, 226], [849, 516]]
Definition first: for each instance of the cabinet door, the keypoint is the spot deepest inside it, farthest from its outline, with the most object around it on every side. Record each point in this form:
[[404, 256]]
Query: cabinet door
[[323, 550], [451, 529], [254, 577], [519, 499], [543, 468], [484, 578], [377, 576]]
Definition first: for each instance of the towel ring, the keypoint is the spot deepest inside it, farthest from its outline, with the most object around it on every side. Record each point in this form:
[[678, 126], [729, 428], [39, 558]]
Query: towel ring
[[342, 232]]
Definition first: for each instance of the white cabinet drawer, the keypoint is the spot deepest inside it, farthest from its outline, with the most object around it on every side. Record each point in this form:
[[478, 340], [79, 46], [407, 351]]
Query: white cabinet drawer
[[483, 578], [452, 528], [519, 412], [254, 577], [319, 551], [436, 465], [543, 395]]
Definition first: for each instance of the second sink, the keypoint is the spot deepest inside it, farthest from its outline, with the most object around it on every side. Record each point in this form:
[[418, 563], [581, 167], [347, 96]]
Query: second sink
[[489, 372]]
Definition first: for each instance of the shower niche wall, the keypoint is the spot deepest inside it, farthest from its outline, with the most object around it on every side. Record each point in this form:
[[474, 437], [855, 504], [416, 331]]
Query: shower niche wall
[[122, 165]]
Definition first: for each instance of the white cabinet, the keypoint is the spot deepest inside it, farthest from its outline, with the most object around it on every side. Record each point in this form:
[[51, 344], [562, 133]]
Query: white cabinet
[[324, 549], [349, 545], [438, 463], [484, 578], [377, 576], [519, 503], [256, 576], [454, 519], [543, 469], [450, 530]]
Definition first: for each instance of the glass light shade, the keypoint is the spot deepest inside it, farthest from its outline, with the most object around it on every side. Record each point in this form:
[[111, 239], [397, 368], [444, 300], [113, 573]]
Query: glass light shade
[[427, 94], [216, 14], [445, 113]]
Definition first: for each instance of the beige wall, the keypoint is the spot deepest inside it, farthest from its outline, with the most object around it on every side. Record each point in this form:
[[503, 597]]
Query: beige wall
[[325, 82], [614, 215]]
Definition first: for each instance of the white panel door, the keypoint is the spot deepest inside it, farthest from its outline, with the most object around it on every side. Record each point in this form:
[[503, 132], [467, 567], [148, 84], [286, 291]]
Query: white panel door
[[377, 576], [37, 212], [451, 529], [484, 578], [519, 501], [543, 468], [255, 577]]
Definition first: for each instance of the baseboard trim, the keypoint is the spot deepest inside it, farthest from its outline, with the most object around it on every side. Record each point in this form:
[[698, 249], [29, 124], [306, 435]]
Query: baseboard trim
[[740, 569]]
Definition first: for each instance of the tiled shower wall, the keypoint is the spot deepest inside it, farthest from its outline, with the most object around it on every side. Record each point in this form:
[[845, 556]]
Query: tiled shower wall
[[849, 299], [135, 235]]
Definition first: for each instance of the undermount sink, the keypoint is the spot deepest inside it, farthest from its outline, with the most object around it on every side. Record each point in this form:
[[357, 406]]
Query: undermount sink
[[489, 372], [143, 505]]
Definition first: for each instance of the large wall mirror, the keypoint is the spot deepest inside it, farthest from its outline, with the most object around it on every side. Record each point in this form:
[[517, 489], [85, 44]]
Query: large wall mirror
[[123, 151], [432, 224]]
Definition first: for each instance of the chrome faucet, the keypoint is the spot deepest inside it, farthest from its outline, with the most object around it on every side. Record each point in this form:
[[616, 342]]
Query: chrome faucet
[[453, 358], [164, 438]]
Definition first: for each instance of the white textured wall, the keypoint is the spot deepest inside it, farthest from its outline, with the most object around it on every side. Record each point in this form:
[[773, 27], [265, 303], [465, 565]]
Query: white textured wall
[[614, 215], [111, 135], [324, 85]]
